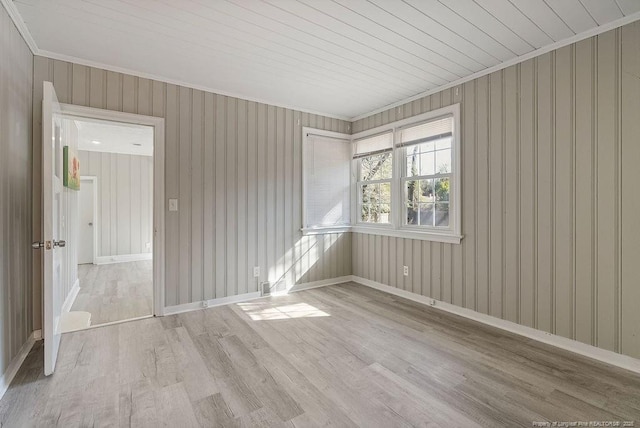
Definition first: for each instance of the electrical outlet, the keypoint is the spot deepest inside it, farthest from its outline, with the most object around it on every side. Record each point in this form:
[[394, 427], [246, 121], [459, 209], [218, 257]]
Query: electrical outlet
[[148, 245], [432, 302], [265, 288], [405, 270], [205, 304], [256, 271], [173, 205]]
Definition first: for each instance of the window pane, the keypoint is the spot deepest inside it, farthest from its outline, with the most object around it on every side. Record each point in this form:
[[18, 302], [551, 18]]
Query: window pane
[[427, 163], [426, 190], [364, 214], [443, 161], [426, 214], [412, 214], [445, 143], [442, 186], [413, 157], [442, 214], [427, 147], [413, 191], [367, 192], [385, 193], [385, 213], [376, 167]]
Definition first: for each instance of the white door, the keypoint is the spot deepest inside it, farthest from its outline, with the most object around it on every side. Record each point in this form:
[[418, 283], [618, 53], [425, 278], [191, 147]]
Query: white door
[[53, 258], [86, 243]]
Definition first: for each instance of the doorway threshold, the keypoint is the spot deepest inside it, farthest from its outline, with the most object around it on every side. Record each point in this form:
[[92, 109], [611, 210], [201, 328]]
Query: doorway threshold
[[106, 324]]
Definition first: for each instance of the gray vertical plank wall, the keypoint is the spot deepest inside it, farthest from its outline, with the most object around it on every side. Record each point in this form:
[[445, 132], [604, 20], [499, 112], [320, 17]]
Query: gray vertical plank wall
[[133, 190], [550, 200], [16, 61], [235, 167]]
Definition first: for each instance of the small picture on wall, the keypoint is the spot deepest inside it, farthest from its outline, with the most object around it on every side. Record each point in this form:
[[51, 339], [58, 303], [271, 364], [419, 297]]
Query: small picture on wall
[[71, 169]]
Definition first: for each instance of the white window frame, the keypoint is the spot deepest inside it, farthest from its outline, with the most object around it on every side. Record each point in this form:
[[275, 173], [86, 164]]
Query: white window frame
[[357, 204], [317, 230], [398, 228]]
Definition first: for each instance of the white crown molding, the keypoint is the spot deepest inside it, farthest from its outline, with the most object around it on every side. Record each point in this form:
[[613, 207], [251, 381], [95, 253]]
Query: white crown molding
[[26, 35], [517, 60], [95, 64], [24, 31], [15, 16]]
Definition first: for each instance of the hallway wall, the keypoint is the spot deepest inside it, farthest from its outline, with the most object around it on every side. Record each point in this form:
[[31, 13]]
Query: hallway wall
[[125, 201]]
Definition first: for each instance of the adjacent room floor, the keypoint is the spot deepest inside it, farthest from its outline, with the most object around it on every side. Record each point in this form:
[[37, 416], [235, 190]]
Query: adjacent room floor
[[115, 292], [341, 355]]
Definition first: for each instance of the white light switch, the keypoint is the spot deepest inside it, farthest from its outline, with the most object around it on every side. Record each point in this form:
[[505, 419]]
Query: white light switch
[[173, 205]]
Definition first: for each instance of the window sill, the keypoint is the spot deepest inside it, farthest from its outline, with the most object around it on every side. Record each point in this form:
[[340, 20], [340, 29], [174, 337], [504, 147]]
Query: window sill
[[449, 238], [324, 230]]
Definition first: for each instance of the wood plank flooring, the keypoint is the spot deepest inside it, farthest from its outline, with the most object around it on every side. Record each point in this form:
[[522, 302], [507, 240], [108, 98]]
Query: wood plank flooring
[[337, 356], [115, 292]]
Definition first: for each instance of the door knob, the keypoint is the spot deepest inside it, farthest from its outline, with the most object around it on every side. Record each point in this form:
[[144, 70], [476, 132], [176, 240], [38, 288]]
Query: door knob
[[90, 224], [60, 243], [37, 245]]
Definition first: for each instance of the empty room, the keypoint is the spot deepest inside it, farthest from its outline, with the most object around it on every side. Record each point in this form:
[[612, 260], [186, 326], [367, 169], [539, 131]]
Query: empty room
[[300, 213]]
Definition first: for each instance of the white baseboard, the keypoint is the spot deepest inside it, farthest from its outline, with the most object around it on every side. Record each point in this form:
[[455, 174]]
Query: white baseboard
[[187, 307], [15, 364], [170, 310], [313, 284], [105, 260], [71, 297], [603, 355]]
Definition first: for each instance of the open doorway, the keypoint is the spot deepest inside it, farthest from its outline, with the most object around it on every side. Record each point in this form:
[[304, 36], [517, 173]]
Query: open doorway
[[116, 219]]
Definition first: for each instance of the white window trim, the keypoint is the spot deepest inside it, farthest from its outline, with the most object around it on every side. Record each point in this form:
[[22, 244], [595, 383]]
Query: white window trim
[[318, 230], [397, 227]]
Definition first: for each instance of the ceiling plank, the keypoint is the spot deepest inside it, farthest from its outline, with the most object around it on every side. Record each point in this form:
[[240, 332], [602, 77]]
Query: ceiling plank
[[573, 13]]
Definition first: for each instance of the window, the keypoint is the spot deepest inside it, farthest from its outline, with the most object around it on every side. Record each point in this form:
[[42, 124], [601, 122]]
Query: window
[[428, 173], [401, 179], [408, 178], [374, 158], [326, 180]]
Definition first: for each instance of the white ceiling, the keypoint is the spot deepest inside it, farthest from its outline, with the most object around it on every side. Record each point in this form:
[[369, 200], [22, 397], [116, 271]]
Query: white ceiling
[[343, 58], [112, 137]]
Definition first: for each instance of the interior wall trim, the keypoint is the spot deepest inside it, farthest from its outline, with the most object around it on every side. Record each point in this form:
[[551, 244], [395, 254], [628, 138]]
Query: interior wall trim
[[16, 363], [177, 82], [602, 355], [123, 258], [188, 307], [12, 10]]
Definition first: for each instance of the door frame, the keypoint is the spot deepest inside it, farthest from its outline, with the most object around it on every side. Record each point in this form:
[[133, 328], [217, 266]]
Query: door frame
[[72, 111], [94, 179]]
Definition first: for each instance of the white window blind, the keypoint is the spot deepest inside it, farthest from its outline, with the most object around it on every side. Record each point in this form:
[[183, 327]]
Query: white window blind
[[375, 144], [429, 131], [327, 163]]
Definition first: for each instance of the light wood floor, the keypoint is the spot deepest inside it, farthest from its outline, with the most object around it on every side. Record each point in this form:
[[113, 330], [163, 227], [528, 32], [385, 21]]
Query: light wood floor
[[115, 292], [334, 356]]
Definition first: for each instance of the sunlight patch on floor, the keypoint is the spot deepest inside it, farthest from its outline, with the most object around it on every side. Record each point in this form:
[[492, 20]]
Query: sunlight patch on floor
[[258, 312]]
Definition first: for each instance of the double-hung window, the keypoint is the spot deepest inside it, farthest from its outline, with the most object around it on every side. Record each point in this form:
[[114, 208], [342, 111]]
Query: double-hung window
[[402, 179], [413, 190], [374, 158], [427, 174]]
